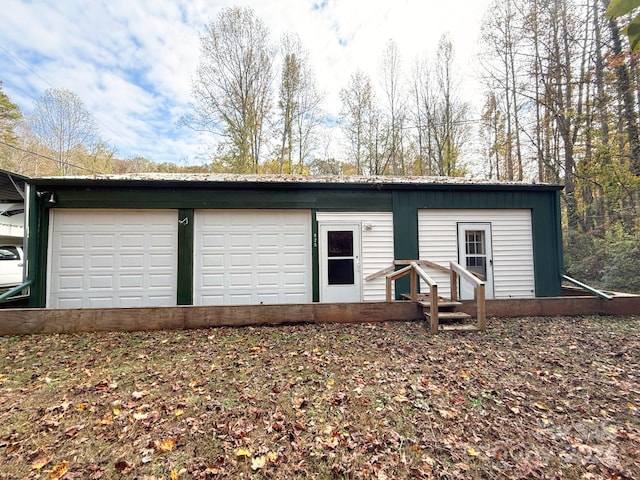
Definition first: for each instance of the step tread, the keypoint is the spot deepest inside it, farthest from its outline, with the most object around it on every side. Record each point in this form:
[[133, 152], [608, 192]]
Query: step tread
[[441, 303], [459, 328], [450, 315]]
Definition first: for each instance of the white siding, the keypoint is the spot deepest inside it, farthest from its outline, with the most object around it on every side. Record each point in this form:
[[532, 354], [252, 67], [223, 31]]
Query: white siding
[[377, 246], [513, 274], [112, 258], [247, 257]]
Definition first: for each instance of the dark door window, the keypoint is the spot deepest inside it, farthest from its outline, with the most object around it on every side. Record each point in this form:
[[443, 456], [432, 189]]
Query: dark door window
[[340, 267]]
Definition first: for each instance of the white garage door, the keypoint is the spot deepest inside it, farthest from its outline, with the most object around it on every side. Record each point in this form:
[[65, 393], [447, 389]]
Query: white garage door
[[252, 257], [112, 258]]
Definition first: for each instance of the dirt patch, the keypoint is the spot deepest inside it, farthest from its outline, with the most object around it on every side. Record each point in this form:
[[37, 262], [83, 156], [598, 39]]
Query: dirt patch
[[531, 398]]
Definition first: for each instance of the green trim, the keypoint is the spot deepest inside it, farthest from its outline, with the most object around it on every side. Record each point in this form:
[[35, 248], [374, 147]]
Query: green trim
[[405, 234], [185, 256], [315, 258], [325, 200], [38, 245]]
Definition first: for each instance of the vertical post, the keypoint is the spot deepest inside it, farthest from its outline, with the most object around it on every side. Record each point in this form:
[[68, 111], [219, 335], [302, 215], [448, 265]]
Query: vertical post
[[453, 283], [388, 289], [482, 311], [433, 310], [413, 275]]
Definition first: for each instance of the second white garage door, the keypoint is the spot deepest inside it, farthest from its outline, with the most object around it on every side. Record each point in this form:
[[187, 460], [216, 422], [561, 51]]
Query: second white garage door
[[252, 257]]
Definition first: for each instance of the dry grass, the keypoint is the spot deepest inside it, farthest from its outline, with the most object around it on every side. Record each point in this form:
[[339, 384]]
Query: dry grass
[[531, 398]]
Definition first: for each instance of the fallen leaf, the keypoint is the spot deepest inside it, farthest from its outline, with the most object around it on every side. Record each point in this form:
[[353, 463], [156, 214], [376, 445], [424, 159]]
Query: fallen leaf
[[73, 431], [272, 457], [400, 399], [473, 452], [139, 395], [541, 406], [123, 467], [174, 475], [465, 374], [106, 420], [166, 445], [40, 461], [243, 452], [258, 462], [59, 470]]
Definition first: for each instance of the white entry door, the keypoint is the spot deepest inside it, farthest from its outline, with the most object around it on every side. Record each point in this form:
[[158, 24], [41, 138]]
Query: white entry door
[[475, 254], [339, 249]]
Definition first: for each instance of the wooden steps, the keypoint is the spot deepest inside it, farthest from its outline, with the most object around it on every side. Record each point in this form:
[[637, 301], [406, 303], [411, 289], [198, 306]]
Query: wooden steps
[[449, 319]]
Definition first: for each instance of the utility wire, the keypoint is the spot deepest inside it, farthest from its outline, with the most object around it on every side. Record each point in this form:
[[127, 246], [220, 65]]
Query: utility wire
[[28, 67], [50, 158]]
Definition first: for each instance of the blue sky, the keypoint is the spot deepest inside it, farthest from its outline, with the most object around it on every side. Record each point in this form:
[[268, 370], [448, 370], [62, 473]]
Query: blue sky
[[132, 61]]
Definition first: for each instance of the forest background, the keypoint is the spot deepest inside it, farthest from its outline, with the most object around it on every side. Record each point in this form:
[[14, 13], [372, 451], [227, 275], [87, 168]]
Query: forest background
[[561, 105]]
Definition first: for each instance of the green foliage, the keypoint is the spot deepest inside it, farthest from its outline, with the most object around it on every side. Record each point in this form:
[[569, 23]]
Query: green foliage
[[9, 115], [618, 8], [611, 262], [622, 253]]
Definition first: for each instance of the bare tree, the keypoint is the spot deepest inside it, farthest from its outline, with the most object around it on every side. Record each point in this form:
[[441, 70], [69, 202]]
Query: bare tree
[[233, 82], [395, 111], [299, 106], [357, 110], [65, 127], [503, 43], [442, 115]]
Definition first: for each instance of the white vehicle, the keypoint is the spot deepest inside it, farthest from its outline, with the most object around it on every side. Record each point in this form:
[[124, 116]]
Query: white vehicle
[[11, 265]]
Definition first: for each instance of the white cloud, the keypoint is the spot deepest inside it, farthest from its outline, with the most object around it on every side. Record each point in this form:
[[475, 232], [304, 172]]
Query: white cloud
[[132, 61]]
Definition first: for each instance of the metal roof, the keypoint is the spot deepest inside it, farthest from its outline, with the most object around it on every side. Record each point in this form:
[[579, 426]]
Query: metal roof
[[11, 187], [290, 180]]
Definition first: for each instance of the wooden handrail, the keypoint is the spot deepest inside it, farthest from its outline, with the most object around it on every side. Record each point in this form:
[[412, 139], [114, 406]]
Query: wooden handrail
[[415, 271], [586, 287], [455, 270], [479, 292], [380, 273], [424, 263], [463, 272], [391, 268]]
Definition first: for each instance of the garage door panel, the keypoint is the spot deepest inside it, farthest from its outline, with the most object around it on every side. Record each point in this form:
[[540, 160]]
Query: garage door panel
[[240, 260], [97, 282], [131, 261], [213, 240], [252, 257], [135, 282], [71, 241], [112, 258], [268, 259], [69, 262]]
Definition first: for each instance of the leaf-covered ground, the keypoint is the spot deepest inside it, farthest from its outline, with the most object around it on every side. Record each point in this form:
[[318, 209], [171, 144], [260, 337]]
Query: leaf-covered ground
[[531, 398]]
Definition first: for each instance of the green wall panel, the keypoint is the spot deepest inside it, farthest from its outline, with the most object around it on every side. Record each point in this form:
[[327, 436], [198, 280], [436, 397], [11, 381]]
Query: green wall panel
[[185, 256], [545, 219]]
